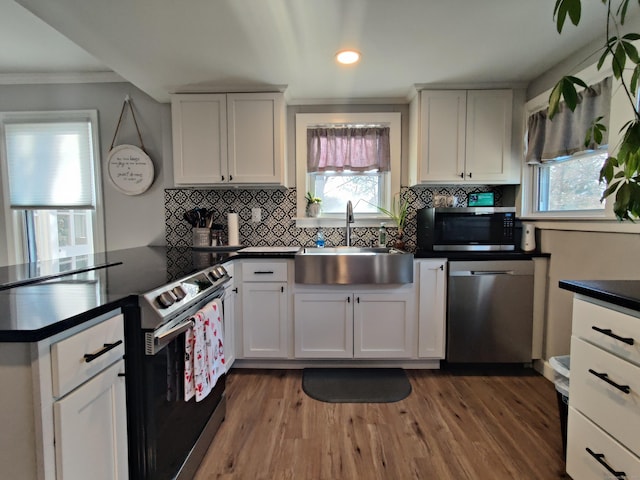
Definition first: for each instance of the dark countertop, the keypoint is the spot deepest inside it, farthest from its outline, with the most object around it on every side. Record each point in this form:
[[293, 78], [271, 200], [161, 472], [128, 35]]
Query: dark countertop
[[36, 311], [624, 293], [40, 300]]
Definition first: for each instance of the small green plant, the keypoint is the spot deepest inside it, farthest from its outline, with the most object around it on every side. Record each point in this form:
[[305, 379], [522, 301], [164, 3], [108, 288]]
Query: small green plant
[[398, 213], [311, 199], [621, 172]]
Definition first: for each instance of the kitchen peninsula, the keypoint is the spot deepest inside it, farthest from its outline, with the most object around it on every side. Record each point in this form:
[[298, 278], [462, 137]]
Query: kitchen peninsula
[[604, 416]]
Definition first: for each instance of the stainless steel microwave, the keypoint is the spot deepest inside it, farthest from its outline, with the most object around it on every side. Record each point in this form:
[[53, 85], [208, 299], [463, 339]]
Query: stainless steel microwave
[[468, 229]]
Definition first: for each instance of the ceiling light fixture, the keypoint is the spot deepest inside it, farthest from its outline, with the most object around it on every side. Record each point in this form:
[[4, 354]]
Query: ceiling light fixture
[[348, 57]]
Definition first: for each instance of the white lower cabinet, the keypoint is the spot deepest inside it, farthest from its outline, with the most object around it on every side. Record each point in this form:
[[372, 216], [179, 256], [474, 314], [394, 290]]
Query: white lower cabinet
[[64, 413], [264, 318], [604, 407], [592, 454], [323, 325], [344, 324], [91, 429], [384, 325], [431, 308], [265, 312]]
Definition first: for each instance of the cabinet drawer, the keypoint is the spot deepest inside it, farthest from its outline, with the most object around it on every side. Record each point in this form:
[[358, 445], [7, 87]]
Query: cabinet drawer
[[582, 465], [609, 324], [264, 271], [616, 412], [76, 359]]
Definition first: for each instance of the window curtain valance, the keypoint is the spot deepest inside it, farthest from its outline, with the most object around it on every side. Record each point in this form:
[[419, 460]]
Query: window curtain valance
[[348, 148], [565, 134]]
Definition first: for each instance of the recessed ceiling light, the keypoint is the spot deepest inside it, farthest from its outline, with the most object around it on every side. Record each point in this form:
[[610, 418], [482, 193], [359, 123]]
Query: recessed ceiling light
[[347, 57]]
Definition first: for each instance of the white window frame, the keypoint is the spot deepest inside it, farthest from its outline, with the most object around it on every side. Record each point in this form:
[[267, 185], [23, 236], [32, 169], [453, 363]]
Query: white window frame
[[528, 207], [14, 219], [308, 120]]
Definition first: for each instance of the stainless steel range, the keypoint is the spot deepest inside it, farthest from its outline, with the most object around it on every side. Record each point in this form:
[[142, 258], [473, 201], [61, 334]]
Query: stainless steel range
[[170, 435]]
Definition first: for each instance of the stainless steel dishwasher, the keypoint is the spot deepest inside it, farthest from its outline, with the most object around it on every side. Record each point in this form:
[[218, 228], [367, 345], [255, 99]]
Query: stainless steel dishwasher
[[490, 311]]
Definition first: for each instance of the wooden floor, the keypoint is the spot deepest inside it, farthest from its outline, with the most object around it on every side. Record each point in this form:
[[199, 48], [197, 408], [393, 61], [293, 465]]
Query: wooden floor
[[452, 426]]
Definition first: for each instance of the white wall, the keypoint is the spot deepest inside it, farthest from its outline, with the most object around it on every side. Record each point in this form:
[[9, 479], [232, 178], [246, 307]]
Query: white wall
[[583, 255], [129, 220]]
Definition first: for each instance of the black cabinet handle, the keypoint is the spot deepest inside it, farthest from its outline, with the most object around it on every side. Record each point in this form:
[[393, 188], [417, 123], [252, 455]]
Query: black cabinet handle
[[281, 289], [235, 290], [604, 377], [609, 333], [223, 178], [358, 299], [348, 299], [441, 267], [231, 178], [462, 175], [470, 175], [600, 459], [263, 272], [121, 375], [90, 357]]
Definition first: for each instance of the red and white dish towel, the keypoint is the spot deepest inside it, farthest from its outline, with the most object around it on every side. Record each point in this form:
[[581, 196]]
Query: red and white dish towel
[[203, 352]]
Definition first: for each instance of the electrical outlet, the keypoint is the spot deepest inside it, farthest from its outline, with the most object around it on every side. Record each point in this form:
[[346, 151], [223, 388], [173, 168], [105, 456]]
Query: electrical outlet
[[256, 214]]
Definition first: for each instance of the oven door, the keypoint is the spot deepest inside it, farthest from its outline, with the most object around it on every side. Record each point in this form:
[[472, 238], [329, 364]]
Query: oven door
[[172, 425]]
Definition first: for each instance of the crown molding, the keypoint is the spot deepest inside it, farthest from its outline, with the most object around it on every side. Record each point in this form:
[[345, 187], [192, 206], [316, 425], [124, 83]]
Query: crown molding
[[59, 78]]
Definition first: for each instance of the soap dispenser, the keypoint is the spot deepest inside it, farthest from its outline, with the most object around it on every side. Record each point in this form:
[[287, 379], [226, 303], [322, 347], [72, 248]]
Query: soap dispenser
[[382, 236], [320, 239]]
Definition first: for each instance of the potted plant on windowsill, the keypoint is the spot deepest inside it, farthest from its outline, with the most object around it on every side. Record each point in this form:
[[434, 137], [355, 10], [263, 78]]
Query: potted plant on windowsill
[[398, 213], [621, 172], [313, 205]]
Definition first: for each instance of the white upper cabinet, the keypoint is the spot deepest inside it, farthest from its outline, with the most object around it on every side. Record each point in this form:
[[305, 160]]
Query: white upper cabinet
[[462, 136], [223, 139], [199, 125]]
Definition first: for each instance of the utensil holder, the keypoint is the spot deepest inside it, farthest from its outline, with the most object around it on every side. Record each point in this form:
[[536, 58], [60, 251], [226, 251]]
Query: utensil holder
[[201, 237]]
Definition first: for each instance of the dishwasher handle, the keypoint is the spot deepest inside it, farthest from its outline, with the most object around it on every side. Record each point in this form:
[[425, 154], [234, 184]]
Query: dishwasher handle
[[478, 273]]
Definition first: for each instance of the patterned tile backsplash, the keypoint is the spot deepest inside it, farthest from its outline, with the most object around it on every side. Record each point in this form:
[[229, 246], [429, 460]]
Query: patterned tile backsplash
[[278, 226]]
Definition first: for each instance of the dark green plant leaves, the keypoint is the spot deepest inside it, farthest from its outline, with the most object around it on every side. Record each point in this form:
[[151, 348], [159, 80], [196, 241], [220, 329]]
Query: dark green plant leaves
[[625, 169], [563, 7], [607, 171], [622, 172], [619, 59], [566, 89], [633, 84], [622, 10], [595, 133]]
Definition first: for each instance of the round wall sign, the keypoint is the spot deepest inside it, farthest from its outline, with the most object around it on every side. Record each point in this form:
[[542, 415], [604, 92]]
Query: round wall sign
[[130, 169]]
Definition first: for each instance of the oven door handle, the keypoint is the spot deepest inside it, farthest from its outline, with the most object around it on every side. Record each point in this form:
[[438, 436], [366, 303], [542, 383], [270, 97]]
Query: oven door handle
[[167, 336]]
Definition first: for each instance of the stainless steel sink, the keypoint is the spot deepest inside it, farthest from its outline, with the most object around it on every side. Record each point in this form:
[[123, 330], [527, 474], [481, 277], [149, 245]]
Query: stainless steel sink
[[353, 265]]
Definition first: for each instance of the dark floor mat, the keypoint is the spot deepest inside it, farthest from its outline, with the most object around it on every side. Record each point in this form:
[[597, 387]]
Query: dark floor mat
[[356, 385]]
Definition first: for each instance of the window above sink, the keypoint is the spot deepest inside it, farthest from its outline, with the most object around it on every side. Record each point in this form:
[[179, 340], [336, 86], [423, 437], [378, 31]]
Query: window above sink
[[367, 188]]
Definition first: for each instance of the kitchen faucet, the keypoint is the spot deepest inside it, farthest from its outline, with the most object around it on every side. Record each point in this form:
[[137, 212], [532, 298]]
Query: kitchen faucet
[[350, 220]]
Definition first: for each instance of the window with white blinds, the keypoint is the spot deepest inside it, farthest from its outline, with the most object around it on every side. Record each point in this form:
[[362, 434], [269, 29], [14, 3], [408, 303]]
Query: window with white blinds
[[51, 184], [50, 164]]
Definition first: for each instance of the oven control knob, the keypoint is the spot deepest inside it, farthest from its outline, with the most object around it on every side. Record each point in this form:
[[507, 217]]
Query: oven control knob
[[221, 271], [178, 292], [214, 275], [165, 299]]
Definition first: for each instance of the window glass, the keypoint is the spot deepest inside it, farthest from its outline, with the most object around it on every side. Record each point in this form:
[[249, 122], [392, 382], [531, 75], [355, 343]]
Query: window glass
[[571, 184], [53, 183], [56, 234], [365, 190]]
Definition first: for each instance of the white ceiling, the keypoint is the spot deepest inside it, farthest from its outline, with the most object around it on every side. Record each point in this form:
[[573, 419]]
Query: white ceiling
[[163, 46]]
